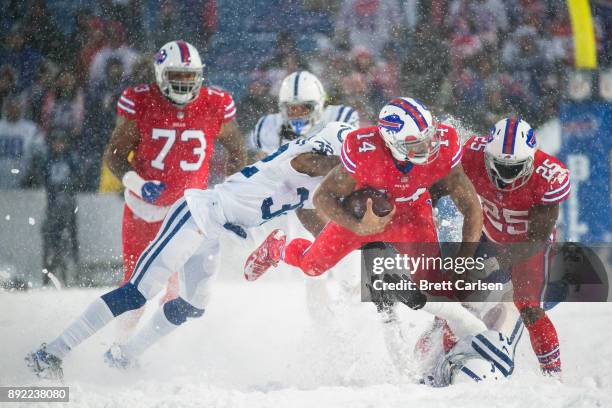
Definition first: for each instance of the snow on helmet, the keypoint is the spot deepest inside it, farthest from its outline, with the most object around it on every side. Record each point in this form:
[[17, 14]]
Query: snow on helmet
[[178, 71], [301, 88], [474, 369], [509, 153], [409, 131]]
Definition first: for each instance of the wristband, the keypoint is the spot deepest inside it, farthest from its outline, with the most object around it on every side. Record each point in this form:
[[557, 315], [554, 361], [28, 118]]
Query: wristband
[[133, 182]]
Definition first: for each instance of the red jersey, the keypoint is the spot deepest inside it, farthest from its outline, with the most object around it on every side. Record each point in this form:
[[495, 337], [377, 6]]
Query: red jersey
[[175, 142], [366, 157], [506, 213]]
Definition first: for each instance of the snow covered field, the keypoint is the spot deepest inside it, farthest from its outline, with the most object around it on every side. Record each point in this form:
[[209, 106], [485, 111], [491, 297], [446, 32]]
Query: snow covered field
[[257, 346]]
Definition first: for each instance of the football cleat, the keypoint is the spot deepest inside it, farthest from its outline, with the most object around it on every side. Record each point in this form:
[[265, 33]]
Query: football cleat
[[115, 358], [45, 365], [265, 256]]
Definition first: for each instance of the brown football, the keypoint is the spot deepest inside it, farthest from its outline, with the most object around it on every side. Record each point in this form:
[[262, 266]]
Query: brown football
[[355, 203]]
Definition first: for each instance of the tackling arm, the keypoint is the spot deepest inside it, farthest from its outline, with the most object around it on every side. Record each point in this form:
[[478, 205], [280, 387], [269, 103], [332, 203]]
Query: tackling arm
[[232, 140], [314, 165]]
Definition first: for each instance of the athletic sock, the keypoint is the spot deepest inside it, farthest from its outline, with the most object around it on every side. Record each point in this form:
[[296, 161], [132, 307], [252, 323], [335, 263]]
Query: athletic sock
[[545, 344], [156, 328], [96, 316]]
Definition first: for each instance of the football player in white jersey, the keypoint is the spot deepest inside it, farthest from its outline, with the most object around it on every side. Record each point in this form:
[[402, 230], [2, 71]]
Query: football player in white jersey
[[188, 242], [302, 113]]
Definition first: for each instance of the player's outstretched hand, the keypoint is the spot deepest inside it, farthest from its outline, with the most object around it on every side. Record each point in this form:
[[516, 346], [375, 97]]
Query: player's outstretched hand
[[151, 190], [371, 223]]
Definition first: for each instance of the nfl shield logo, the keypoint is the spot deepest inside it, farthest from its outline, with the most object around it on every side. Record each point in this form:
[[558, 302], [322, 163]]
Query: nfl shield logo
[[180, 114]]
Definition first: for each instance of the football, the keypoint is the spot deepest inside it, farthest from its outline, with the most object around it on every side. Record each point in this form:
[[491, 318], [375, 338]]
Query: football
[[355, 203]]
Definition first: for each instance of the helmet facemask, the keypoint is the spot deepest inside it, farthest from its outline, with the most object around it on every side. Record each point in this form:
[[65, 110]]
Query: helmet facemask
[[181, 85], [300, 116], [420, 149], [508, 175]]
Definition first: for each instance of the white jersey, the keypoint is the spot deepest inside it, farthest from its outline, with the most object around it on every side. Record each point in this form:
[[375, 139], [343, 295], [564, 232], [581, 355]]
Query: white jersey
[[19, 142], [271, 187], [266, 136]]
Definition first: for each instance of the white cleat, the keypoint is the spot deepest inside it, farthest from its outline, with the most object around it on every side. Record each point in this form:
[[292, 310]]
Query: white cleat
[[45, 365]]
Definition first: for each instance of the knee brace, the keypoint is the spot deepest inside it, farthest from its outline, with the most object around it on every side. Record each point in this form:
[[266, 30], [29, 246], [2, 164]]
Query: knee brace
[[124, 298], [178, 310]]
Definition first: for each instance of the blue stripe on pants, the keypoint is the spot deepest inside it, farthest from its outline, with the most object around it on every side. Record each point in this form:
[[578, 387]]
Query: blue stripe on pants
[[167, 223], [161, 247], [166, 226]]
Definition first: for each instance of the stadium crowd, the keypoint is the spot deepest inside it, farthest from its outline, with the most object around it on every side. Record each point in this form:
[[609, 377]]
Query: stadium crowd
[[62, 70], [61, 83]]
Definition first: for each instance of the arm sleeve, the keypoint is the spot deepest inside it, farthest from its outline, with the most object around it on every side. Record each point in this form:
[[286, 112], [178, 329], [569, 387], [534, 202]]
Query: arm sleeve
[[127, 104], [455, 147], [229, 108], [558, 188], [352, 118], [254, 136], [348, 156]]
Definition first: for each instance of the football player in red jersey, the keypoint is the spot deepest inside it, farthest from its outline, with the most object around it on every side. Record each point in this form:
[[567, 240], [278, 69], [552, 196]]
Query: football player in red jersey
[[404, 155], [170, 126], [520, 188]]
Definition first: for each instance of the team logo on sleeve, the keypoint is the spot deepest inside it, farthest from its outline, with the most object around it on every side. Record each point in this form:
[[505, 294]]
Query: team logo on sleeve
[[392, 123], [160, 56]]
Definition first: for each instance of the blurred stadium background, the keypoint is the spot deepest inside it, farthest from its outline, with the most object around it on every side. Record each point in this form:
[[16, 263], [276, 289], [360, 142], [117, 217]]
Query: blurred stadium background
[[63, 64]]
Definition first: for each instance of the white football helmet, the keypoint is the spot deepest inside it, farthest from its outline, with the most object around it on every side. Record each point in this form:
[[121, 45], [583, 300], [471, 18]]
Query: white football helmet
[[509, 153], [474, 369], [301, 88], [409, 131], [178, 71]]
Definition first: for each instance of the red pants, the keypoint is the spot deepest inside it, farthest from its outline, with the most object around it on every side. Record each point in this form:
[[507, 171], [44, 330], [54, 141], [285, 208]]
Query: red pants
[[529, 279], [413, 237], [136, 235]]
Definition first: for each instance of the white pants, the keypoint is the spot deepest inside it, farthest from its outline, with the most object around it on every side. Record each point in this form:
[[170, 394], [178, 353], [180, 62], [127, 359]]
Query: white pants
[[180, 245]]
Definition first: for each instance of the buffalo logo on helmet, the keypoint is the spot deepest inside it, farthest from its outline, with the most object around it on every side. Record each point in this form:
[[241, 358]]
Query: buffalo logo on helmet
[[490, 136], [160, 56], [392, 123], [531, 139]]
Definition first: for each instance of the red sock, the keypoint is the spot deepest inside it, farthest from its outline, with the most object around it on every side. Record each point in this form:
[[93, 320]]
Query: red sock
[[448, 337], [545, 344], [294, 251]]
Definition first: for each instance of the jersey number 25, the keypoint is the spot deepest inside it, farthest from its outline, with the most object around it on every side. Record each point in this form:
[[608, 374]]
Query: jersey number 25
[[509, 221]]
